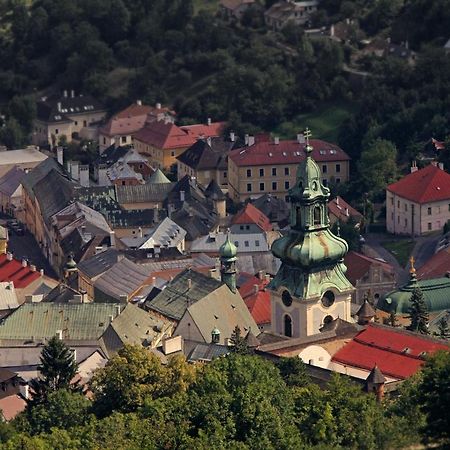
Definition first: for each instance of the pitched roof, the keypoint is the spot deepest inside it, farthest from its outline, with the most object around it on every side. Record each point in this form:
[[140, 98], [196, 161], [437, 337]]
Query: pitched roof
[[398, 353], [127, 121], [85, 321], [11, 181], [22, 156], [100, 263], [376, 376], [430, 184], [213, 191], [366, 310], [123, 278], [173, 301], [252, 215], [233, 4], [259, 305], [8, 297], [158, 177], [342, 210], [276, 209], [358, 265], [435, 267], [207, 154], [214, 129], [286, 152], [143, 193], [164, 136], [14, 271], [33, 177], [11, 406], [251, 340]]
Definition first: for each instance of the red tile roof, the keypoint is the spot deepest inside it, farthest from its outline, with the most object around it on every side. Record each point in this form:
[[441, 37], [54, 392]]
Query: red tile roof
[[338, 207], [204, 130], [398, 353], [165, 136], [430, 184], [358, 265], [258, 303], [11, 406], [15, 272], [436, 267], [286, 152], [251, 214]]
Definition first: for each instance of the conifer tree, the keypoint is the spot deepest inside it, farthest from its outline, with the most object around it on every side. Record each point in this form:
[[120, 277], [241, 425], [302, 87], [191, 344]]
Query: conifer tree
[[239, 345], [443, 330], [418, 312], [57, 368]]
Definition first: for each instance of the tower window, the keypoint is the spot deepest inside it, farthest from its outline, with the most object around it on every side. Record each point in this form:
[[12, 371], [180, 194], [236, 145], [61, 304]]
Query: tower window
[[328, 299], [287, 326], [327, 319], [286, 298], [317, 215]]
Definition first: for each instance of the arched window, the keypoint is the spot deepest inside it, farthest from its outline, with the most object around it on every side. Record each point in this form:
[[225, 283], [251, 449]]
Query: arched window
[[287, 326], [317, 218], [327, 319]]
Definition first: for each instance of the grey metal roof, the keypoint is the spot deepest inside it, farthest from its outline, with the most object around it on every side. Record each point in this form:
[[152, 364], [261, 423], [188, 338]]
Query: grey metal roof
[[245, 243], [173, 301], [11, 181], [208, 352], [143, 193], [100, 263], [38, 173], [198, 260], [31, 321], [123, 278]]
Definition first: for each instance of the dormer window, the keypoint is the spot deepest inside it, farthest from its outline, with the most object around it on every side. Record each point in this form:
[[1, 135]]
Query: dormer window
[[317, 218]]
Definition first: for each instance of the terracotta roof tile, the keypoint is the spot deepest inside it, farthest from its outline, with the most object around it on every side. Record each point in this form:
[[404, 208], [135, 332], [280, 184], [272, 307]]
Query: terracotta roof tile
[[437, 266], [164, 135], [15, 272], [430, 184], [398, 353], [358, 265], [286, 152], [250, 214], [338, 207]]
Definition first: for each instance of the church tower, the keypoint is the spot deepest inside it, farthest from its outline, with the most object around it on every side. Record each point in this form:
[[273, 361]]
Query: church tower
[[228, 252], [310, 288]]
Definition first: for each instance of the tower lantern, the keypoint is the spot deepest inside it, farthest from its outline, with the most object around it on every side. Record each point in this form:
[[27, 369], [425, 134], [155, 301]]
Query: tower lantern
[[228, 252]]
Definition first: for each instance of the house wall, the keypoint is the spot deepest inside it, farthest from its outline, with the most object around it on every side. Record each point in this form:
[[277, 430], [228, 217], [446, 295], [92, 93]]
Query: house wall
[[410, 218], [86, 284], [377, 280], [14, 204], [153, 154], [105, 141], [245, 182]]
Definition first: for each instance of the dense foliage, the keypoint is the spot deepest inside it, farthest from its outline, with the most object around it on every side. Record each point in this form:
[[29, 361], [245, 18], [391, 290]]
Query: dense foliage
[[236, 402]]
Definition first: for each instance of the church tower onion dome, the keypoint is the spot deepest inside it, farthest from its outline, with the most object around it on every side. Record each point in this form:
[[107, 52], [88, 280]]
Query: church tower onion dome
[[228, 250]]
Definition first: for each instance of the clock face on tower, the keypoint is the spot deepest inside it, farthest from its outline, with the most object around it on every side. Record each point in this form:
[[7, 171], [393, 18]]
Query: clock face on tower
[[286, 298]]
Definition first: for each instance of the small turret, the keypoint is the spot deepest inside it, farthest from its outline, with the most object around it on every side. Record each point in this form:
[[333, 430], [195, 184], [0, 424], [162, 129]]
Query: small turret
[[70, 268], [215, 336], [366, 313], [228, 252], [375, 383]]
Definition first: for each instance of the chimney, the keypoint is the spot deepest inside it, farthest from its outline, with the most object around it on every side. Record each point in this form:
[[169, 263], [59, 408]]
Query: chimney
[[261, 274], [24, 263], [332, 30], [208, 121], [246, 139], [111, 318], [103, 175], [255, 288], [267, 278], [33, 268], [276, 140], [346, 212], [84, 175], [75, 170], [65, 93], [208, 140], [212, 273], [78, 298], [41, 272], [58, 105], [251, 140], [60, 155], [59, 334], [118, 310], [158, 106], [112, 239], [139, 102], [156, 214], [189, 282], [153, 281], [414, 166], [9, 256], [181, 196], [140, 232], [72, 93], [232, 136], [337, 201], [441, 166], [24, 390]]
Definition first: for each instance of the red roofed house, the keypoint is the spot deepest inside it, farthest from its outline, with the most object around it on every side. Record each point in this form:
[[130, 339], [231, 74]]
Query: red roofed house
[[366, 273], [398, 353], [163, 142], [270, 166], [120, 128], [250, 220], [339, 209], [419, 202], [437, 266]]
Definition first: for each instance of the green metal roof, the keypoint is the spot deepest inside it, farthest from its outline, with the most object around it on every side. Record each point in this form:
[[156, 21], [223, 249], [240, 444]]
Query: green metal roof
[[436, 293], [85, 321], [158, 177]]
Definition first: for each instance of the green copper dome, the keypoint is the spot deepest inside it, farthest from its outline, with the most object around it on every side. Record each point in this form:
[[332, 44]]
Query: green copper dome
[[228, 250]]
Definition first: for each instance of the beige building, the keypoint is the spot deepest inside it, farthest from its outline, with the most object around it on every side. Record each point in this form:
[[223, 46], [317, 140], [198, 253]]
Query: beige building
[[69, 115], [270, 166], [419, 203], [25, 159]]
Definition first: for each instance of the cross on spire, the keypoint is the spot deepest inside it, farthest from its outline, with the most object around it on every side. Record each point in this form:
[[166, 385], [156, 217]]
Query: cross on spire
[[412, 270], [307, 135]]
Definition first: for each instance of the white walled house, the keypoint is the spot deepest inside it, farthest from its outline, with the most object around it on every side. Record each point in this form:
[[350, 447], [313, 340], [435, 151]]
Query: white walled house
[[419, 203]]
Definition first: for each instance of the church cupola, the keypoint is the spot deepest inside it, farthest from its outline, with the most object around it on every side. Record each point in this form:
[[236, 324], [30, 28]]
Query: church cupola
[[310, 288], [228, 252]]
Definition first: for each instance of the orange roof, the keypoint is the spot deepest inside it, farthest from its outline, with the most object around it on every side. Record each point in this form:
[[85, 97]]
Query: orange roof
[[358, 265], [257, 299], [251, 214], [430, 184], [164, 136], [205, 130], [11, 406], [436, 267], [339, 208]]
